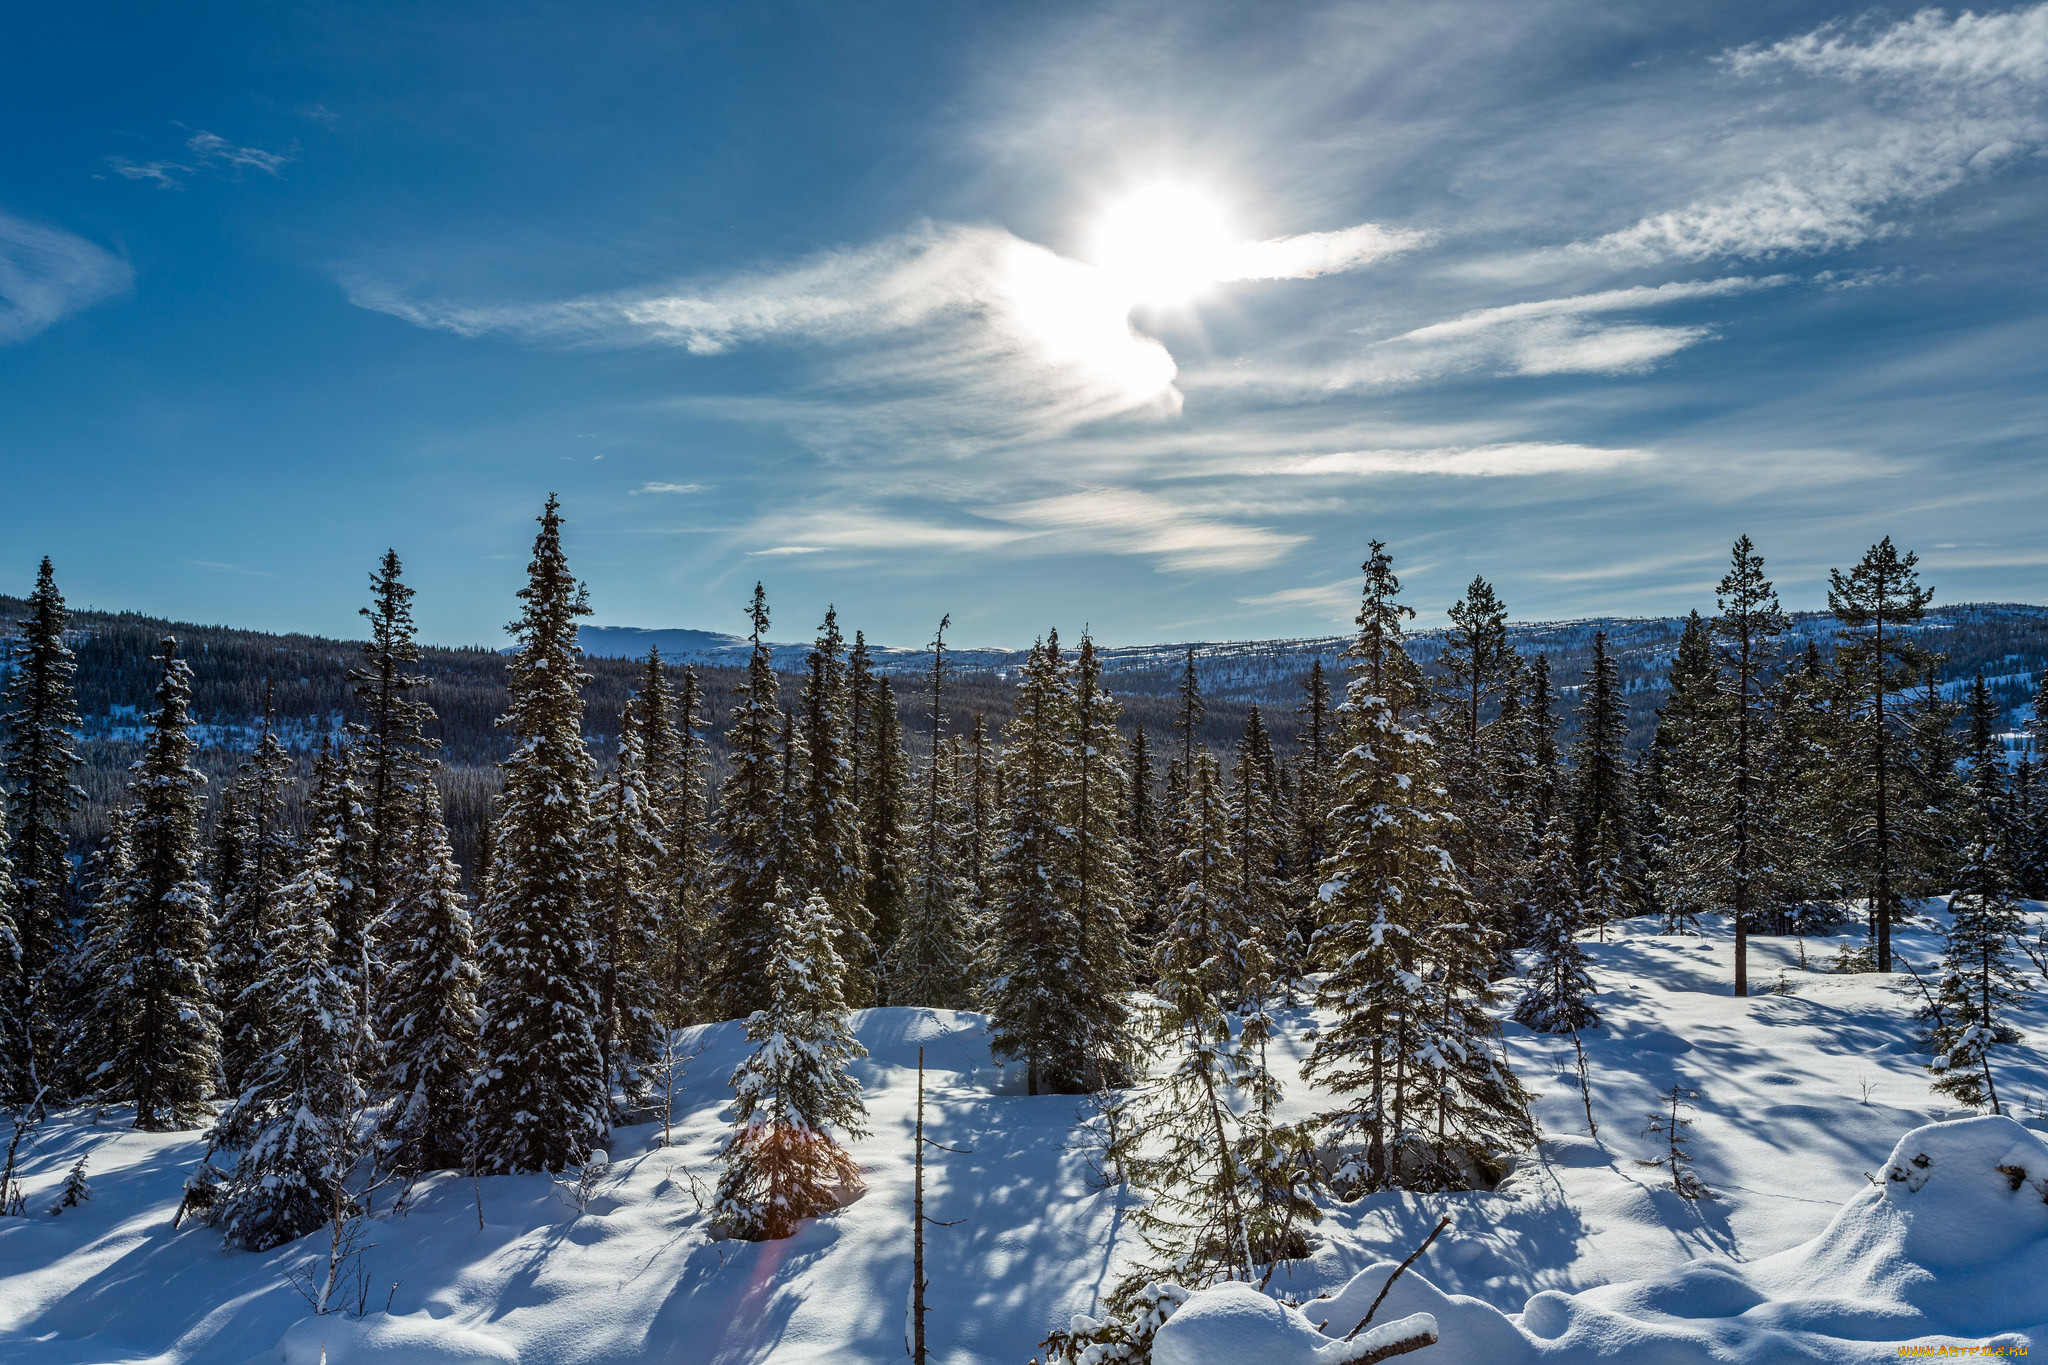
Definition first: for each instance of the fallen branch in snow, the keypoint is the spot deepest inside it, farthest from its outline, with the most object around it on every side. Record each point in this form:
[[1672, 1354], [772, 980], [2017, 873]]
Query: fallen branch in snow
[[1413, 1256], [1409, 1334]]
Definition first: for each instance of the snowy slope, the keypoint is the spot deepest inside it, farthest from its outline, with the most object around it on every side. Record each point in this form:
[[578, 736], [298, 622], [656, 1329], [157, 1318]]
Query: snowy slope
[[1785, 1135]]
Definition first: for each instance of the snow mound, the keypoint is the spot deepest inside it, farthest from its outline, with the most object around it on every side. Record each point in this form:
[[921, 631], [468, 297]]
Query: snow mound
[[1950, 1247], [1233, 1323]]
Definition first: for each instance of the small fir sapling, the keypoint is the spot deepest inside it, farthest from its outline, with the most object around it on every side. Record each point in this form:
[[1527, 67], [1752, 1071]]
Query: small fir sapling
[[1671, 1124], [782, 1162], [75, 1190]]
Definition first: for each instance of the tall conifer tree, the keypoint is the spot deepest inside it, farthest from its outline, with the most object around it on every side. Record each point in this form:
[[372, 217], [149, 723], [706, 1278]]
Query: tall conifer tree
[[431, 1017], [38, 763], [749, 822], [396, 755], [1877, 657], [626, 915], [539, 1101], [830, 807], [932, 961], [166, 1027], [1603, 843], [249, 903]]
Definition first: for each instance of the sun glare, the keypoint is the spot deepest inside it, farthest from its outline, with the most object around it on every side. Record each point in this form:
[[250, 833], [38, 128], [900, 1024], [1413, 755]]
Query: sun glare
[[1164, 244]]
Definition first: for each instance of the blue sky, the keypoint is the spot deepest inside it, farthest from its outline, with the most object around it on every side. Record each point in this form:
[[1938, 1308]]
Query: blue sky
[[1144, 317]]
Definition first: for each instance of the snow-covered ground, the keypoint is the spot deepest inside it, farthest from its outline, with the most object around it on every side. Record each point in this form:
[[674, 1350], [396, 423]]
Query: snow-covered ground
[[1802, 1098]]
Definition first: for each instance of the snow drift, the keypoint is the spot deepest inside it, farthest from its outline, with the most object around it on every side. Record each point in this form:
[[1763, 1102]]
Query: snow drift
[[1949, 1246]]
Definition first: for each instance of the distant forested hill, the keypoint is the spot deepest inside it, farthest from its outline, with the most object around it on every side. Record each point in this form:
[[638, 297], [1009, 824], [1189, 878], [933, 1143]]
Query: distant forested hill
[[307, 677]]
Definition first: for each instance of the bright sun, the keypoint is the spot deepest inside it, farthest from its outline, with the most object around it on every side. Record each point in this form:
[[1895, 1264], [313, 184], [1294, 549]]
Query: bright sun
[[1163, 244]]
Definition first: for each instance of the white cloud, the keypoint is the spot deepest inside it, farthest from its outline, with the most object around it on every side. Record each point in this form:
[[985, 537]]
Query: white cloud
[[1946, 99], [792, 550], [1127, 521], [213, 149], [666, 488], [944, 330], [1505, 460], [47, 274]]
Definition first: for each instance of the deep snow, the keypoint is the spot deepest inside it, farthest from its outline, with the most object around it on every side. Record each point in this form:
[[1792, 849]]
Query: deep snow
[[1802, 1099]]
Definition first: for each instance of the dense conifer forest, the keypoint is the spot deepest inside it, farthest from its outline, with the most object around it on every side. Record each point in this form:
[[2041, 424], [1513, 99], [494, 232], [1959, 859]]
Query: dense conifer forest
[[366, 910]]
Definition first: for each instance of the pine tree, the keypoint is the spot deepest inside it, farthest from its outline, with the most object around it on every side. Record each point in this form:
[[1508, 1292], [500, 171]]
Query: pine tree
[[782, 1160], [886, 816], [431, 1016], [1602, 839], [1981, 984], [1687, 760], [337, 811], [1408, 958], [90, 1000], [538, 1102], [1547, 796], [830, 807], [38, 762], [1207, 939], [688, 955], [1222, 1182], [1873, 602], [749, 819], [1806, 747], [1477, 664], [626, 912], [166, 1029], [1032, 952], [984, 805], [1384, 865], [1101, 873], [295, 1120], [1141, 829], [1748, 625], [249, 902], [396, 755], [1934, 816], [1256, 840], [1554, 1001], [1314, 762], [932, 961]]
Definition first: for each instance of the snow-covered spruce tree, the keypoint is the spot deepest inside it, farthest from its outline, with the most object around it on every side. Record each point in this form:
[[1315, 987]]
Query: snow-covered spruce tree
[[749, 819], [688, 955], [1032, 950], [1476, 665], [1603, 834], [1934, 825], [1206, 933], [1309, 823], [395, 756], [1222, 1185], [885, 808], [1685, 765], [294, 1122], [1877, 658], [1101, 874], [932, 961], [981, 800], [1408, 955], [1806, 745], [431, 1013], [19, 1053], [166, 1030], [1547, 779], [829, 810], [1555, 998], [1384, 866], [1150, 884], [38, 716], [1981, 982], [626, 914], [1188, 710], [538, 1102], [89, 1001], [248, 903], [1257, 840], [337, 816], [782, 1160]]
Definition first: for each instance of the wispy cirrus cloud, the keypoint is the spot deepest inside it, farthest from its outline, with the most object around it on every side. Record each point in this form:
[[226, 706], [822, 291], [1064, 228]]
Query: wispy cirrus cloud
[[204, 152], [1513, 459], [47, 274], [1901, 114], [658, 487], [945, 326]]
